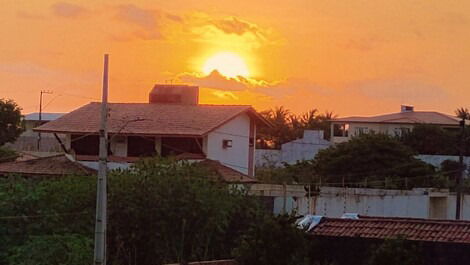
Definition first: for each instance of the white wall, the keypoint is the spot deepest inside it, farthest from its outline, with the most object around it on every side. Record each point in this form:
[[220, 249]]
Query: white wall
[[334, 201], [236, 157], [305, 148]]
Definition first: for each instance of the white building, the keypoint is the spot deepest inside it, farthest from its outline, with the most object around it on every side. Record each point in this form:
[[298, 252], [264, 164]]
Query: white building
[[171, 124], [305, 148], [342, 129]]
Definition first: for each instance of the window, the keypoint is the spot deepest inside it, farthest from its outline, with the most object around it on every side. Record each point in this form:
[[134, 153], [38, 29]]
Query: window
[[140, 146], [401, 131], [85, 145], [361, 130], [180, 145], [340, 130]]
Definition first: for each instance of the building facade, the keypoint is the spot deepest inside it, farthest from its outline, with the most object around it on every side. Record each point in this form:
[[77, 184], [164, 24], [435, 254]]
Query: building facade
[[394, 124], [171, 124]]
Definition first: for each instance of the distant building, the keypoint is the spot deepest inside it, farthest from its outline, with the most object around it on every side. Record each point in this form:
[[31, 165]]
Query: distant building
[[28, 140], [305, 148], [171, 124], [395, 124]]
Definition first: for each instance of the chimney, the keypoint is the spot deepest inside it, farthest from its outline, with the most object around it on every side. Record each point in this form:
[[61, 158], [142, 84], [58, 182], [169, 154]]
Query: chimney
[[407, 108], [174, 94]]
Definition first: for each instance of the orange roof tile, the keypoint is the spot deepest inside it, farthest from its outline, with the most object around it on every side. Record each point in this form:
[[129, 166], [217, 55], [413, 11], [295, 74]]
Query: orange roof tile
[[57, 165], [447, 231], [149, 119]]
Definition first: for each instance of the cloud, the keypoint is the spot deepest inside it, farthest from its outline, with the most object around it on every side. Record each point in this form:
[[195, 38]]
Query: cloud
[[67, 10], [215, 80], [234, 25], [146, 23], [28, 15]]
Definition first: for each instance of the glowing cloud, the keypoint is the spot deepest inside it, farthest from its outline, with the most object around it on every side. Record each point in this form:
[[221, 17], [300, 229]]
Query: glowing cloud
[[227, 63]]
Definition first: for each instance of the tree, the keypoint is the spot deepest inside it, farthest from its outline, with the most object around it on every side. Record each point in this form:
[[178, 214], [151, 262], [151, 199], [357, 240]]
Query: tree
[[288, 126], [273, 241], [462, 113], [372, 158], [160, 211], [10, 121], [420, 138]]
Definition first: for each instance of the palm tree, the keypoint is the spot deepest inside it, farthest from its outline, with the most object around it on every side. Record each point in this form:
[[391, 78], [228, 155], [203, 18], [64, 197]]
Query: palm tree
[[462, 113]]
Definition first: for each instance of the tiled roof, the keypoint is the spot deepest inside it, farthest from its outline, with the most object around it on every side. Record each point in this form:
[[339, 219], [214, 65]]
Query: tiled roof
[[411, 117], [58, 165], [149, 119], [226, 173], [446, 231]]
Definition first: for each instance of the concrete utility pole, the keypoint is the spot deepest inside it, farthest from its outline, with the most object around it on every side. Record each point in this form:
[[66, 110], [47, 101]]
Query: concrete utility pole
[[101, 193], [461, 172], [40, 115]]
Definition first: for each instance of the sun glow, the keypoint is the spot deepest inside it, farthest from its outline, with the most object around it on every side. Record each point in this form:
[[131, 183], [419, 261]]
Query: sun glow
[[227, 63]]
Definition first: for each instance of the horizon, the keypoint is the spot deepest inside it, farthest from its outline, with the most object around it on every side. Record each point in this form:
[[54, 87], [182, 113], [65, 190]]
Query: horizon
[[354, 58]]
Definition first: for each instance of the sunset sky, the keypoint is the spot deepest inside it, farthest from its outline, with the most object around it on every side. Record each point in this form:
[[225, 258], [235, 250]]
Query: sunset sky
[[352, 57]]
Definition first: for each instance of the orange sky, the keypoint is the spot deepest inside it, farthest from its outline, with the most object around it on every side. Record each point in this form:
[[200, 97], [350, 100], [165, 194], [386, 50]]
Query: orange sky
[[351, 57]]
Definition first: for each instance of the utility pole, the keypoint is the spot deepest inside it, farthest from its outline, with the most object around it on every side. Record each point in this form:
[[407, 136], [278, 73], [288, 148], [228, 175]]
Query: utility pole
[[461, 172], [101, 193], [40, 115]]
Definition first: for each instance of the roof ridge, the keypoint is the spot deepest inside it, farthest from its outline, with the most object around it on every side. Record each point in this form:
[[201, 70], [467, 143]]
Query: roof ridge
[[404, 220]]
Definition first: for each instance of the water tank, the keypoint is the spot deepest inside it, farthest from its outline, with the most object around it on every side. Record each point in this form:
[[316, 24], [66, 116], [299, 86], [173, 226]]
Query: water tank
[[174, 94]]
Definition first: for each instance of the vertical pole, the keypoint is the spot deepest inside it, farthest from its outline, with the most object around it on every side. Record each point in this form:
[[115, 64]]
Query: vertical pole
[[101, 196], [458, 196], [40, 119], [284, 198]]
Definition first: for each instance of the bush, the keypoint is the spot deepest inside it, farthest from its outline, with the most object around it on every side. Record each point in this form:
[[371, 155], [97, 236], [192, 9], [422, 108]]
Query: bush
[[273, 241], [160, 211]]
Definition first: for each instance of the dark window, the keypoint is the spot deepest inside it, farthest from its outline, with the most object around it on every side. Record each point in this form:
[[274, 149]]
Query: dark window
[[179, 145], [140, 146], [340, 130], [85, 145]]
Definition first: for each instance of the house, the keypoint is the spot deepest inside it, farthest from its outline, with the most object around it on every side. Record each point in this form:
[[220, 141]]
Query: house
[[33, 141], [172, 123], [305, 148], [395, 124]]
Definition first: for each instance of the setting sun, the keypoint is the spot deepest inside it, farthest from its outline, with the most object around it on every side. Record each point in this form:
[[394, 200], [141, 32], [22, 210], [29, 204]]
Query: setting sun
[[227, 63]]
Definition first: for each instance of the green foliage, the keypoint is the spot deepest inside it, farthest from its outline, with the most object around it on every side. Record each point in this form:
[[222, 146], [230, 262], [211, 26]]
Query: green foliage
[[397, 251], [7, 154], [301, 172], [431, 140], [53, 250], [273, 241], [160, 211], [10, 121], [169, 212], [372, 159]]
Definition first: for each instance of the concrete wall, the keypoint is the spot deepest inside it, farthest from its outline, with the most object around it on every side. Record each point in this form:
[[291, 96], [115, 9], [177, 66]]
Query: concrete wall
[[236, 157], [305, 148], [334, 202]]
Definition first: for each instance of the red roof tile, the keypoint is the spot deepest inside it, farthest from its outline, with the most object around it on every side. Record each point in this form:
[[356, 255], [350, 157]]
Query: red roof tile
[[57, 165], [149, 119], [412, 117], [226, 173], [447, 231]]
